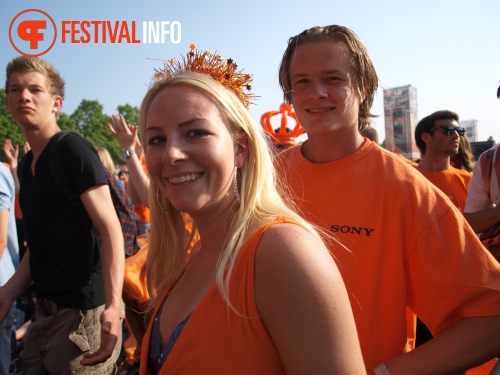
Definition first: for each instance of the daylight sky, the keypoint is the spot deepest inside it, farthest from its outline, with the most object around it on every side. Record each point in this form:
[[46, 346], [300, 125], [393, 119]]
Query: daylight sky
[[448, 50]]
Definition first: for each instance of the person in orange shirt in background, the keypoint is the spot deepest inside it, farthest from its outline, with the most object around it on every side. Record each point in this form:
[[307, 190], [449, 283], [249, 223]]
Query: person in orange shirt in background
[[438, 138], [135, 294]]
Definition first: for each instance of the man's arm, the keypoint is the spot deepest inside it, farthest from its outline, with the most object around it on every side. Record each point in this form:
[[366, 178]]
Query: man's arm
[[467, 344], [484, 219], [456, 293], [99, 206]]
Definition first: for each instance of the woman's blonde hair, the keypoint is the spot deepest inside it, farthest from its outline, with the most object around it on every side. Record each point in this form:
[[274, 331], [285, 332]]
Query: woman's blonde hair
[[106, 159], [256, 184]]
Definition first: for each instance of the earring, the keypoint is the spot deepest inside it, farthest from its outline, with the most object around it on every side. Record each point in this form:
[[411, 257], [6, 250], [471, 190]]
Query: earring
[[159, 203], [235, 184]]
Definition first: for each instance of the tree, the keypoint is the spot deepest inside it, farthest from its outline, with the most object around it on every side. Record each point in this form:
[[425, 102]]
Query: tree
[[66, 123], [8, 128], [131, 114], [92, 124]]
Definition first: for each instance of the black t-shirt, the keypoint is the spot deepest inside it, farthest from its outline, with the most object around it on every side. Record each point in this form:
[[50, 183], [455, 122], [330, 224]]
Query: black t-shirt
[[65, 257]]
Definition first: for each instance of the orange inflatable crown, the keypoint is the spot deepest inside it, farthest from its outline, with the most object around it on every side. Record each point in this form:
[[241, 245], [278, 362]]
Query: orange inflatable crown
[[284, 135]]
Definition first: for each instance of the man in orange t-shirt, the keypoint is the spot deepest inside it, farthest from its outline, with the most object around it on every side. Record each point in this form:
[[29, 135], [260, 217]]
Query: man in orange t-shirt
[[405, 247], [438, 138]]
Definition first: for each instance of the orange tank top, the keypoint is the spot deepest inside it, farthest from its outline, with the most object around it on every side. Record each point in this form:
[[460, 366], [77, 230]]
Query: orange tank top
[[216, 340]]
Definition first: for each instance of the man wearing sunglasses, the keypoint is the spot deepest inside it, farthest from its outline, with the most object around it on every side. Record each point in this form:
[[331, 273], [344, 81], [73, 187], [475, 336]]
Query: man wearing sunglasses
[[438, 138]]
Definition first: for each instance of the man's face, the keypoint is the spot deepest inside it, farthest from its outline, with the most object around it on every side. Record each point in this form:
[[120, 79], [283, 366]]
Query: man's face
[[440, 144], [324, 94], [29, 100]]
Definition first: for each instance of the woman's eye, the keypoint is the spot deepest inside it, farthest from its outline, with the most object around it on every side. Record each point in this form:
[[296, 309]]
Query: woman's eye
[[155, 140], [197, 133]]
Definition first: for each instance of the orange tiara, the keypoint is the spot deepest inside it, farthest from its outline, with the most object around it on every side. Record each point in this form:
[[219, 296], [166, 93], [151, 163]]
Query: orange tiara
[[222, 70], [282, 135]]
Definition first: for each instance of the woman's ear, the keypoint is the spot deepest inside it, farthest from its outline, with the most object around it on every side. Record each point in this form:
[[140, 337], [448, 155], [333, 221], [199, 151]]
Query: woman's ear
[[241, 151]]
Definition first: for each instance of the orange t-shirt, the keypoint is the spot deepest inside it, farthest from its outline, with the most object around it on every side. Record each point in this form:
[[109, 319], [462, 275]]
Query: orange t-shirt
[[453, 182], [216, 340], [143, 213], [407, 245]]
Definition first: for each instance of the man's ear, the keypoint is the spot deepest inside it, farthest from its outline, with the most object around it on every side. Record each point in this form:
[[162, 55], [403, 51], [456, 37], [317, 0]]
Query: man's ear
[[241, 151], [58, 102], [363, 96], [426, 137]]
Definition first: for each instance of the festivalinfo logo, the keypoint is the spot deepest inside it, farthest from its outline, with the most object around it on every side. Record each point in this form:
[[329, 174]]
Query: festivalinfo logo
[[33, 32]]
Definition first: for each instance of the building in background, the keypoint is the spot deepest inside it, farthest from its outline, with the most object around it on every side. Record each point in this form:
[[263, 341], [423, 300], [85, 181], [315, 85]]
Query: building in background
[[470, 129], [401, 118]]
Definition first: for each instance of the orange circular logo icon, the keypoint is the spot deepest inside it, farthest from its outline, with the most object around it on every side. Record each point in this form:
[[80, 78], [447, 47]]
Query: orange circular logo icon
[[32, 32]]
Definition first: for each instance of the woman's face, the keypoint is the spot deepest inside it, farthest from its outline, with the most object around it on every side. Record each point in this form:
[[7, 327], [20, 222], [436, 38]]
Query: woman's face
[[191, 154]]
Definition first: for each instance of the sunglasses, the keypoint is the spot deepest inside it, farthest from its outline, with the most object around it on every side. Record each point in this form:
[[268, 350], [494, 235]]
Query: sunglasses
[[450, 129]]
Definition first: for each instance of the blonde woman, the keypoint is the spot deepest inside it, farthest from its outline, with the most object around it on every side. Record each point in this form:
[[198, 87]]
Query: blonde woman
[[106, 159], [260, 293]]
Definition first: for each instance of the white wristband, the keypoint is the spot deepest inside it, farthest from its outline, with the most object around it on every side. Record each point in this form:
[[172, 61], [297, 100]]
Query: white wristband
[[381, 369]]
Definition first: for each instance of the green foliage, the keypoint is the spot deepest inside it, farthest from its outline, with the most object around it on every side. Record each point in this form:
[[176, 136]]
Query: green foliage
[[8, 128], [66, 123], [88, 120], [131, 114]]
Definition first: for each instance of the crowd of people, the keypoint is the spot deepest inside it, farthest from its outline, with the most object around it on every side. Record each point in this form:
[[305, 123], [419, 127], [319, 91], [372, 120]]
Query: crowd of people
[[226, 252]]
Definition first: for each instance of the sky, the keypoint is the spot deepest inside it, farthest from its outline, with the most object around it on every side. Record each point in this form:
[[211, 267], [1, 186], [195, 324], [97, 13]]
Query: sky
[[449, 51]]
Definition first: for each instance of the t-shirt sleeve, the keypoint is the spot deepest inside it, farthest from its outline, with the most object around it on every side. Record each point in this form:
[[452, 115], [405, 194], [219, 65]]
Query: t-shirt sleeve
[[82, 164], [477, 193], [6, 189], [454, 278]]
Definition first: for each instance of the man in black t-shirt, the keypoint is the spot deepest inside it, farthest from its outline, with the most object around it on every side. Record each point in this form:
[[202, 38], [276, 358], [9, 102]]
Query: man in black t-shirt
[[75, 257]]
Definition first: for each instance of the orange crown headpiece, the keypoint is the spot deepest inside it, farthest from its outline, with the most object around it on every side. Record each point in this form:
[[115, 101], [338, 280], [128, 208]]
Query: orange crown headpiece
[[283, 135], [222, 70]]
